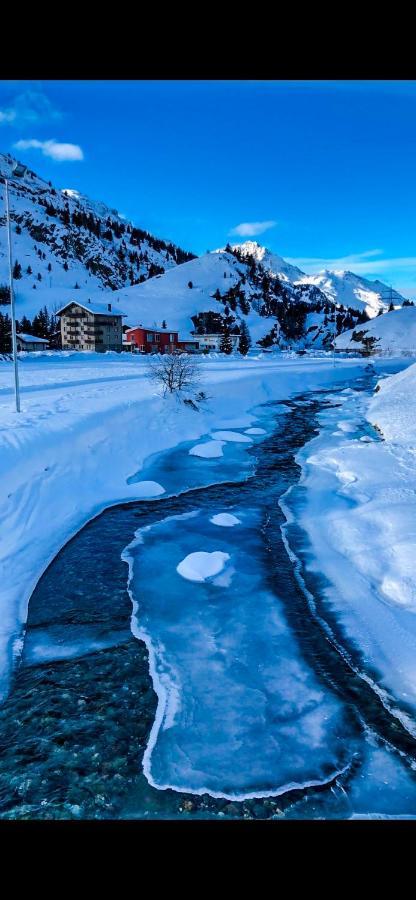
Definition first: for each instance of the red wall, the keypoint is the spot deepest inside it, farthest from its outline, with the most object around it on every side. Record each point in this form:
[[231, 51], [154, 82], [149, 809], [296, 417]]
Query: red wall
[[139, 337]]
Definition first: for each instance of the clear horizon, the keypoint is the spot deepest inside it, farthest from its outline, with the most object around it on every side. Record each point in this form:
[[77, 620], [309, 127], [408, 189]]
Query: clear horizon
[[321, 173]]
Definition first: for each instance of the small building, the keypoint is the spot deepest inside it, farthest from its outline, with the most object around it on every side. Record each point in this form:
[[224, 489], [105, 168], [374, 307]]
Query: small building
[[151, 340], [188, 345], [30, 342], [90, 326], [213, 341]]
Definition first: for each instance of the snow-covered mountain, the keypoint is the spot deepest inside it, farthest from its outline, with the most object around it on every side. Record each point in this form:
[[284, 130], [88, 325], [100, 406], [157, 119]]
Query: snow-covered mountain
[[341, 287], [63, 241], [221, 289], [353, 290], [395, 331], [270, 261], [188, 290], [67, 246]]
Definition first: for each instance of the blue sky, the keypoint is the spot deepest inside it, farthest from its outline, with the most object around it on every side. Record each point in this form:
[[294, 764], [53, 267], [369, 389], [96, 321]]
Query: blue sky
[[322, 173]]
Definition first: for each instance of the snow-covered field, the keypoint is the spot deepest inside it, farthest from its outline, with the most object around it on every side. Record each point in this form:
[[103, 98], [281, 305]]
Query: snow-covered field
[[87, 424], [357, 504]]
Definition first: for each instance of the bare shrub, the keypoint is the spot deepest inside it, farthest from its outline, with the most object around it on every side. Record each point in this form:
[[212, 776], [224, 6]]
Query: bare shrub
[[177, 374]]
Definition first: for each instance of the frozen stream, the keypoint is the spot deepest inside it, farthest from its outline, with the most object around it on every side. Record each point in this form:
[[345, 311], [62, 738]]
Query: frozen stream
[[253, 712]]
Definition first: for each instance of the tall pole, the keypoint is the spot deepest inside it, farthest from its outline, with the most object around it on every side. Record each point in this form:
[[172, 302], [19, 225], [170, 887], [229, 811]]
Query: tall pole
[[12, 307]]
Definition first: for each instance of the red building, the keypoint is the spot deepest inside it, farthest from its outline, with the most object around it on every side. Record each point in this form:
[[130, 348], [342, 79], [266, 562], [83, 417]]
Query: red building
[[152, 340]]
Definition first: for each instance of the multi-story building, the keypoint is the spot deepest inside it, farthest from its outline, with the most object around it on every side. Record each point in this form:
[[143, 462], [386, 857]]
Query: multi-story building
[[90, 326], [151, 340], [157, 340]]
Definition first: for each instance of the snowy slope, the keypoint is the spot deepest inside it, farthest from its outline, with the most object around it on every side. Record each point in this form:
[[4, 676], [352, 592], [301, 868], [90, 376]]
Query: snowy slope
[[395, 331], [68, 239], [168, 297]]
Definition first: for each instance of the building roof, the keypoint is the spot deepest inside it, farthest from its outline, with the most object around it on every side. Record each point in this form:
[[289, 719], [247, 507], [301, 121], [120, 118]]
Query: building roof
[[218, 334], [30, 338], [98, 309], [189, 338], [154, 328]]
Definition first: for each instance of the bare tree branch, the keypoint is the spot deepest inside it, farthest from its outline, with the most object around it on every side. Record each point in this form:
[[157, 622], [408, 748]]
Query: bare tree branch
[[174, 374]]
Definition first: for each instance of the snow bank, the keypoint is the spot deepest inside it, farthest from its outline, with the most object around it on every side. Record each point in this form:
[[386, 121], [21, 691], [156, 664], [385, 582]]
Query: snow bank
[[357, 504], [393, 408], [201, 565]]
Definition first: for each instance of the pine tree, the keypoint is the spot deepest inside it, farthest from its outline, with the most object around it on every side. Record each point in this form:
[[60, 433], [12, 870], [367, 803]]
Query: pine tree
[[190, 284], [4, 294], [226, 345], [391, 307], [244, 343], [25, 325], [66, 266], [5, 333], [39, 277], [29, 270], [49, 267], [17, 271], [164, 324]]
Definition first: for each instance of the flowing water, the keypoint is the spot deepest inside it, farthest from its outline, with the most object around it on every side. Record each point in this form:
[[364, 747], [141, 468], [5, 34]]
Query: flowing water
[[221, 697]]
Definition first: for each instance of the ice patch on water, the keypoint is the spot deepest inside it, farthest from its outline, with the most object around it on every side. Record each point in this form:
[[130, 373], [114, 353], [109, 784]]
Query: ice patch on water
[[231, 436], [255, 431], [226, 520], [148, 489], [201, 565], [44, 645], [346, 427], [226, 577], [210, 450], [246, 716]]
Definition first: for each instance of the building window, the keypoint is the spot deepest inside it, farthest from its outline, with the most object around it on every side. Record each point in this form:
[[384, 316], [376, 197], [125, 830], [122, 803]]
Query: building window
[[149, 338], [157, 337]]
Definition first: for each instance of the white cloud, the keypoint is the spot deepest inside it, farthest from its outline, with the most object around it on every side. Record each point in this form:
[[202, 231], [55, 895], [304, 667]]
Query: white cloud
[[7, 115], [366, 263], [53, 149], [250, 229], [29, 106]]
